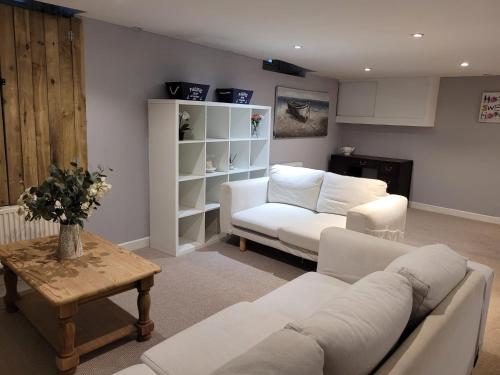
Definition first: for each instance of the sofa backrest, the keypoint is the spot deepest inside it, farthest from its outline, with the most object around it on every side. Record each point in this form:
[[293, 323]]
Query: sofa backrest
[[321, 191], [294, 185], [445, 342], [341, 193]]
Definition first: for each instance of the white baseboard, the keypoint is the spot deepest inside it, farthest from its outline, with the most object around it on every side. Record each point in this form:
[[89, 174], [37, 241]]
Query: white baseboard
[[453, 212], [136, 244]]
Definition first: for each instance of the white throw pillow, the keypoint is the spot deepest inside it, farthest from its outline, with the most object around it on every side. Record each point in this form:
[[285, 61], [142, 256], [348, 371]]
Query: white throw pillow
[[357, 328], [433, 271], [294, 185], [341, 193], [285, 352]]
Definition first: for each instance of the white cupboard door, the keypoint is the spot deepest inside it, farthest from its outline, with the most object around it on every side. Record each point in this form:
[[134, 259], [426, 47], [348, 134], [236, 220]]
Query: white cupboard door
[[402, 98], [357, 98]]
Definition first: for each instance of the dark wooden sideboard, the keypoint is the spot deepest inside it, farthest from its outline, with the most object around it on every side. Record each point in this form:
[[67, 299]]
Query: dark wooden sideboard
[[395, 172]]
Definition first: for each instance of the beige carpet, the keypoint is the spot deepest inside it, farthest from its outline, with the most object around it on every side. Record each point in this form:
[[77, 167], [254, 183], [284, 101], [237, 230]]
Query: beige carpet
[[196, 285]]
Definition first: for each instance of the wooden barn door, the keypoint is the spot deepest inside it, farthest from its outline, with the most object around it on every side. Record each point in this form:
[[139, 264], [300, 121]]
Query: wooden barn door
[[43, 97]]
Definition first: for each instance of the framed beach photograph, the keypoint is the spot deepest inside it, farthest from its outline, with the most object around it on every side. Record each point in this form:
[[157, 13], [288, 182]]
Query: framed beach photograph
[[300, 113], [490, 107]]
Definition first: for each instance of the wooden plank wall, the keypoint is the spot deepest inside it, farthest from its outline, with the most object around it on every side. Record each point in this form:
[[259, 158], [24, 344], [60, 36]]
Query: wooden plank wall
[[43, 99]]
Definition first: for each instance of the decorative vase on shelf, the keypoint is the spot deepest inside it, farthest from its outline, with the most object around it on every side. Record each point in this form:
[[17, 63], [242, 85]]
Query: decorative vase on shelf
[[70, 244], [255, 131], [255, 121]]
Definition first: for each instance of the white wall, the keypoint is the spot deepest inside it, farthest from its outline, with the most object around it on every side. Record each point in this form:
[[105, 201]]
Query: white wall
[[124, 68], [456, 163]]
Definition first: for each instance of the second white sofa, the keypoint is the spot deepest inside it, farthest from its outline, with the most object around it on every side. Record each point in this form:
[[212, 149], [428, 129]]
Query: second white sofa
[[350, 332], [289, 210]]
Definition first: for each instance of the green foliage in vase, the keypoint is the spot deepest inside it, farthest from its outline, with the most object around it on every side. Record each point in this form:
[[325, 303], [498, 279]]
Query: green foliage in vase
[[67, 196]]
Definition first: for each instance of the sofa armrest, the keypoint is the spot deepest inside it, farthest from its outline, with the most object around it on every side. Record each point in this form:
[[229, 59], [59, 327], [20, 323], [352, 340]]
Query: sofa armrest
[[488, 275], [383, 218], [350, 256], [240, 195]]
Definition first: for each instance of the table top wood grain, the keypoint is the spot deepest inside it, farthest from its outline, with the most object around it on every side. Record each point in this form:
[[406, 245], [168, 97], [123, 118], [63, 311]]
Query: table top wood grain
[[104, 267]]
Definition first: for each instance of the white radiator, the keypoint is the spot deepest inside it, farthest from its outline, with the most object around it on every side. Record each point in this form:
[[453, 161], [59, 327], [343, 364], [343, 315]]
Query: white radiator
[[14, 228]]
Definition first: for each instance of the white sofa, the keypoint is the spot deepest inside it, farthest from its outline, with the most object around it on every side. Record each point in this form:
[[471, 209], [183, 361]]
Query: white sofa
[[446, 342], [289, 210]]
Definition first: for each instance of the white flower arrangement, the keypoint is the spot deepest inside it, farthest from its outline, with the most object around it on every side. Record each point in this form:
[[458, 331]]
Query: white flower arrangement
[[67, 196]]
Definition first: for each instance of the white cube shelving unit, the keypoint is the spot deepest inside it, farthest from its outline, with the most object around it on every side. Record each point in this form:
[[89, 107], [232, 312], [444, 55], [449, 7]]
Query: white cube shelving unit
[[184, 198]]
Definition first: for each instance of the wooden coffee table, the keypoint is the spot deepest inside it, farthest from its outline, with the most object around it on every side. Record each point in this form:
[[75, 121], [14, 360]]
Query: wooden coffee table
[[67, 302]]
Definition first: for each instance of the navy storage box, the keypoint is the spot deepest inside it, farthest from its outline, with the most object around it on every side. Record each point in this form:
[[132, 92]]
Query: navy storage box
[[234, 96], [187, 91]]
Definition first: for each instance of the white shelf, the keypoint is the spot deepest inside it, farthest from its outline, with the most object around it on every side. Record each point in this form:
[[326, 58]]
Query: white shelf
[[238, 170], [181, 191], [215, 174], [189, 177], [192, 141], [211, 206], [187, 211], [209, 140], [186, 245], [255, 168]]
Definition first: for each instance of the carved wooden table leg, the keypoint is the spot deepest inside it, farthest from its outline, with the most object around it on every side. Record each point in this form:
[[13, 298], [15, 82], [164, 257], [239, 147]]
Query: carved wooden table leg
[[144, 325], [67, 358], [11, 295]]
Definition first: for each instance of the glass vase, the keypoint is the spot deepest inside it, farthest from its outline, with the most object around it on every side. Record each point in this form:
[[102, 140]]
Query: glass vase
[[70, 244]]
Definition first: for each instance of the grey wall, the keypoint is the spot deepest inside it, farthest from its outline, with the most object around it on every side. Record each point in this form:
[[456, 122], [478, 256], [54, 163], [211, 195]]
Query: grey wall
[[124, 68], [457, 163]]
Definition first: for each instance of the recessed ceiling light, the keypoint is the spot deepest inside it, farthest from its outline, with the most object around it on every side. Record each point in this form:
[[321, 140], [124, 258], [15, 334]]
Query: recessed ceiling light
[[417, 35], [368, 69], [464, 64], [297, 46]]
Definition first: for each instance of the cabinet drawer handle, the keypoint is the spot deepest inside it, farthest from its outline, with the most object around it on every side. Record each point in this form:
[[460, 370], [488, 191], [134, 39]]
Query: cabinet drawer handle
[[363, 162], [388, 168]]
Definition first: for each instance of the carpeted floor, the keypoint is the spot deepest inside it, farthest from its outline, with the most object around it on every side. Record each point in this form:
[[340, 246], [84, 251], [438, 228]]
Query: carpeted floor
[[193, 287]]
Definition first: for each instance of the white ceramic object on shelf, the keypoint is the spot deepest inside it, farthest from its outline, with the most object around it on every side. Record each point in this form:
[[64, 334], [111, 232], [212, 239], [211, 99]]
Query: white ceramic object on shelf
[[347, 150]]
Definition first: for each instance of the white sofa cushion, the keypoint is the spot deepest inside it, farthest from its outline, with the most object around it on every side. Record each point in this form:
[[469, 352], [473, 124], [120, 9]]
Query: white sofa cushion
[[285, 352], [341, 193], [294, 185], [305, 233], [357, 328], [302, 296], [209, 344], [269, 217], [433, 272]]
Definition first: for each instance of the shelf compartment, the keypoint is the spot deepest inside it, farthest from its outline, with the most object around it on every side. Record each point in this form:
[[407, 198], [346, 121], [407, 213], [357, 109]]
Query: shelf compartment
[[259, 154], [242, 150], [191, 159], [197, 120], [218, 122], [218, 152], [238, 176], [191, 197], [264, 125], [212, 225], [212, 191], [240, 122], [190, 233]]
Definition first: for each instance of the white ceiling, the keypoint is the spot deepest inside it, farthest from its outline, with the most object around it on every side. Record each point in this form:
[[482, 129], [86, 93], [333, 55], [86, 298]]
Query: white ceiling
[[340, 37]]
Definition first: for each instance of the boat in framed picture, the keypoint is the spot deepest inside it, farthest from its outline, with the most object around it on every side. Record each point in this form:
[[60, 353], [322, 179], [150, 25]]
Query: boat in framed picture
[[300, 113]]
